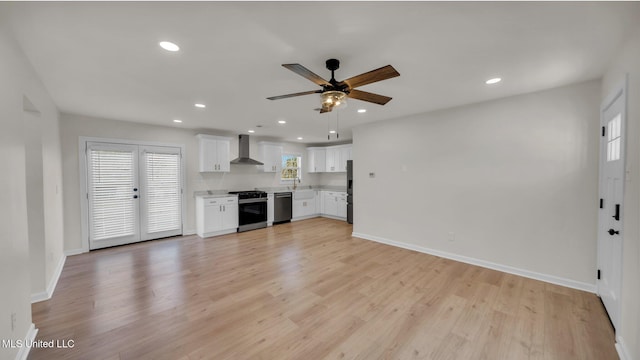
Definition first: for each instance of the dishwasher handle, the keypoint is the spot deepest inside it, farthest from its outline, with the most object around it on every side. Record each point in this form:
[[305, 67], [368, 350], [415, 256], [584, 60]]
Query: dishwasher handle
[[282, 195]]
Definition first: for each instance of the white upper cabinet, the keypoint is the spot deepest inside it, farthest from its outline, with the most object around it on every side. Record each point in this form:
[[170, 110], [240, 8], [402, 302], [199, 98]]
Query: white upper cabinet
[[335, 158], [316, 160], [328, 159], [214, 153], [271, 156], [345, 154]]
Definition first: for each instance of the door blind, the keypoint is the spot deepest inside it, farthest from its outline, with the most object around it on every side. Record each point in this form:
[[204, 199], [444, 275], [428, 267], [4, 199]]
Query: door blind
[[111, 180], [163, 192]]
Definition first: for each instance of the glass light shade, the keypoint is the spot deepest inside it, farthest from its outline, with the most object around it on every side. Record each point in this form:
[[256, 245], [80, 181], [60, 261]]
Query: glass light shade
[[334, 99]]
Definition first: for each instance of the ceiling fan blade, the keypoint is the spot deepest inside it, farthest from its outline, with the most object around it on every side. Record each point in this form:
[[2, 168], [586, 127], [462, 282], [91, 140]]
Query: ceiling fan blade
[[383, 73], [295, 94], [370, 97], [306, 73]]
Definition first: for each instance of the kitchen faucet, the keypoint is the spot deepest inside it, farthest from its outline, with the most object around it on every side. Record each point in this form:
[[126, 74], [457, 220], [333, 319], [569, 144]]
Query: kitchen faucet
[[294, 182]]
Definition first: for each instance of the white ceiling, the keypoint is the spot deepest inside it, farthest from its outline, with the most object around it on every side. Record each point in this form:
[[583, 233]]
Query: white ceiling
[[102, 58]]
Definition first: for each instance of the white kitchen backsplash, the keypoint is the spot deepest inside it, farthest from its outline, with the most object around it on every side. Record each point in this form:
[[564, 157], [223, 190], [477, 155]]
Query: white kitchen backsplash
[[246, 177], [332, 179]]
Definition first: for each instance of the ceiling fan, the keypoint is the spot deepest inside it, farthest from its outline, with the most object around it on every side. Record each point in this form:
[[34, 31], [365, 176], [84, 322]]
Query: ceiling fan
[[334, 93]]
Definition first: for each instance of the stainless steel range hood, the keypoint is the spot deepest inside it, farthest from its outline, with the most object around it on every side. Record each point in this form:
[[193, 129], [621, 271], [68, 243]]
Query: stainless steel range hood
[[243, 153]]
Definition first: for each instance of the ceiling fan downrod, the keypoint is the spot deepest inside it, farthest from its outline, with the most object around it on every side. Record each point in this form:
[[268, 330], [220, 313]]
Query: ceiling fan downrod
[[333, 65]]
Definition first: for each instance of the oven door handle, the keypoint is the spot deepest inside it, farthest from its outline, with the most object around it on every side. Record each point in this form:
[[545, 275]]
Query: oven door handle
[[251, 201]]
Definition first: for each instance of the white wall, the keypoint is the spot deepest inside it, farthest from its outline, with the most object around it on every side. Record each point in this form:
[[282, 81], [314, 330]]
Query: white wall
[[241, 177], [628, 62], [20, 81], [514, 179]]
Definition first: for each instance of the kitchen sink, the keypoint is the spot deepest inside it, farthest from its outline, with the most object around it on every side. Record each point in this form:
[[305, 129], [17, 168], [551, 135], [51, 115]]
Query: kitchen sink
[[304, 194]]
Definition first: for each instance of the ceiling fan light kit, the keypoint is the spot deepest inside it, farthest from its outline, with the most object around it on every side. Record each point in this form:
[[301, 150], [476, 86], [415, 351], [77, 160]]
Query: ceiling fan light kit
[[333, 98], [334, 93]]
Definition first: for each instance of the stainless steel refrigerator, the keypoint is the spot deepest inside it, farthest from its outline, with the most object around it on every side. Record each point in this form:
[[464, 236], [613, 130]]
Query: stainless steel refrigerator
[[350, 191]]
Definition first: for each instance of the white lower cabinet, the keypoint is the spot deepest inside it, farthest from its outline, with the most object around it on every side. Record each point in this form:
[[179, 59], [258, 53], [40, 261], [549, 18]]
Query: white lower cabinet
[[342, 205], [216, 216], [304, 208], [304, 204], [334, 204]]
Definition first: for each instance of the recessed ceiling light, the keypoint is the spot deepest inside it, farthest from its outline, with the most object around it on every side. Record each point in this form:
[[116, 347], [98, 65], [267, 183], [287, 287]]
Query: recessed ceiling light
[[332, 132], [281, 122], [201, 106], [299, 137], [362, 111], [493, 81], [169, 46], [252, 131], [177, 120]]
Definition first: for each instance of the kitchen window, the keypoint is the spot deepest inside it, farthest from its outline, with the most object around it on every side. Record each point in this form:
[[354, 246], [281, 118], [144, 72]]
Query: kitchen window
[[291, 168]]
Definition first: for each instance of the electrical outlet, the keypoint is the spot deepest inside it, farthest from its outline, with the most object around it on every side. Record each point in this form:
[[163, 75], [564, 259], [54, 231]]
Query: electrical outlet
[[451, 236], [372, 175], [13, 321]]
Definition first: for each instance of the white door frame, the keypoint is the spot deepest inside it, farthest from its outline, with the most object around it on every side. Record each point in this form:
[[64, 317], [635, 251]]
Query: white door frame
[[619, 92], [82, 172]]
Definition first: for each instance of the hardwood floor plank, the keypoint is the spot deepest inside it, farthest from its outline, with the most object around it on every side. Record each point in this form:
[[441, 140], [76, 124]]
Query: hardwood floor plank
[[308, 290]]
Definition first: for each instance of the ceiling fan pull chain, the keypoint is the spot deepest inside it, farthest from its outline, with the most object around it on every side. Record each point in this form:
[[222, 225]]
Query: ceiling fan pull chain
[[337, 124]]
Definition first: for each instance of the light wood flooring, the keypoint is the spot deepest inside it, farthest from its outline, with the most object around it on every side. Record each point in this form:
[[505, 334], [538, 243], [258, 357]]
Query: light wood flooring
[[308, 290]]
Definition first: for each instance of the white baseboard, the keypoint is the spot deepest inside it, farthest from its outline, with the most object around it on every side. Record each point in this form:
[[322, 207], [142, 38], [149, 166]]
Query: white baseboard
[[621, 348], [305, 217], [23, 353], [41, 296], [483, 263], [74, 252], [334, 217], [51, 287]]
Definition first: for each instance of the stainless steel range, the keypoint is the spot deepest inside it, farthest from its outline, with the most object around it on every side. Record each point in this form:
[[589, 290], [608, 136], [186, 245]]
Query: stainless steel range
[[252, 209]]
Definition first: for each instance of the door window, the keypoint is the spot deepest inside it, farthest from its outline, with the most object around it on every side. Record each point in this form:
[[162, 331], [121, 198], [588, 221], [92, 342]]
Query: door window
[[613, 139]]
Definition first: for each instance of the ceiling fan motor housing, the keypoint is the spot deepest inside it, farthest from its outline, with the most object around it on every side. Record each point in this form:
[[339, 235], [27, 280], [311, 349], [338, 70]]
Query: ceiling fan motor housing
[[333, 64]]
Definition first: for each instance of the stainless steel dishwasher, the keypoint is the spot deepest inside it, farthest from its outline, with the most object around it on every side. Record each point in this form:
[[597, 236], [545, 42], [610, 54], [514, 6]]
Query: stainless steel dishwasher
[[282, 207]]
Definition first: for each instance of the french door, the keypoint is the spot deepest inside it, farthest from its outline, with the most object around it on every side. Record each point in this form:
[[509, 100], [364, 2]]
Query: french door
[[134, 193]]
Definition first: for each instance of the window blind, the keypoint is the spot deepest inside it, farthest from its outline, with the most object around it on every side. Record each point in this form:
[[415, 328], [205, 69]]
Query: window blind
[[163, 192], [111, 183]]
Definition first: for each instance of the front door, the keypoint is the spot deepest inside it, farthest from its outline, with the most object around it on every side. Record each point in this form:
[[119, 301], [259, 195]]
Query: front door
[[611, 189]]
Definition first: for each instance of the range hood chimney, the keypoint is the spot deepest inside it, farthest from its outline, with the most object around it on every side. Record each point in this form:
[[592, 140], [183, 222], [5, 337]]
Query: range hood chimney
[[243, 153]]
